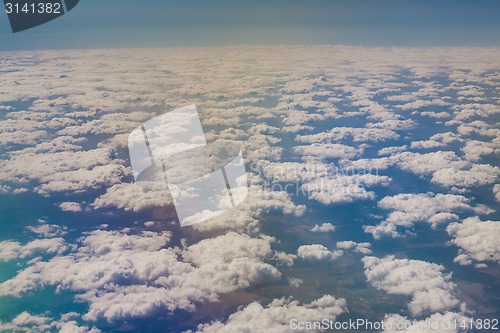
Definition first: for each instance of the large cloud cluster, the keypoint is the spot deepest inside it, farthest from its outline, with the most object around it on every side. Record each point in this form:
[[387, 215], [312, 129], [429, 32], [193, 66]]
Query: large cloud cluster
[[477, 240], [65, 171], [444, 168], [431, 208], [277, 316], [320, 253], [309, 118], [124, 275], [431, 290], [324, 182], [27, 323], [10, 250]]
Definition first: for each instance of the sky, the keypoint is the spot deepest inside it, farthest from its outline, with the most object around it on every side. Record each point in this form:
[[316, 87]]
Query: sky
[[373, 189], [372, 171], [158, 23]]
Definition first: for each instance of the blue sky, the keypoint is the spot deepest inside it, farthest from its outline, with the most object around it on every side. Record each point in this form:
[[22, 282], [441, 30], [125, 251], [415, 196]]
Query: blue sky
[[159, 23]]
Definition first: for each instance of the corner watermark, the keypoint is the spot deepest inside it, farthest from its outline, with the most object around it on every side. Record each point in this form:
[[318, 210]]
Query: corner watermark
[[27, 14], [392, 324]]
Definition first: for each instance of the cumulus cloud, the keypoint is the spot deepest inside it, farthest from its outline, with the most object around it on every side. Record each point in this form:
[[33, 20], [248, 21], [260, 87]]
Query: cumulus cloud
[[325, 227], [26, 322], [474, 150], [77, 100], [467, 111], [391, 150], [68, 206], [426, 144], [16, 132], [422, 164], [431, 114], [437, 140], [320, 253], [328, 150], [133, 197], [420, 104], [124, 275], [246, 216], [445, 168], [475, 127], [58, 144], [496, 192], [431, 290], [408, 209], [317, 253], [394, 124], [357, 134], [325, 183], [284, 258], [477, 175], [477, 240], [363, 248], [277, 316], [65, 171], [10, 250], [48, 230], [342, 189]]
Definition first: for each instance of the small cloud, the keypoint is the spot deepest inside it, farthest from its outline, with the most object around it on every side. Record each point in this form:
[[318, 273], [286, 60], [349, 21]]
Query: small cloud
[[70, 206], [325, 227], [294, 282], [317, 253]]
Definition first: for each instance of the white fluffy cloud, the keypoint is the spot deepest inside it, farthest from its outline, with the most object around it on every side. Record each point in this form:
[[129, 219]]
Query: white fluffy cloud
[[132, 197], [27, 323], [341, 189], [437, 140], [474, 150], [141, 276], [325, 227], [358, 134], [431, 289], [69, 206], [246, 216], [328, 150], [422, 164], [320, 253], [476, 127], [10, 250], [444, 167], [65, 171], [478, 240], [477, 175], [363, 248], [48, 230], [391, 150], [125, 275], [496, 192], [435, 114], [317, 253], [325, 183], [408, 209], [467, 111], [277, 316]]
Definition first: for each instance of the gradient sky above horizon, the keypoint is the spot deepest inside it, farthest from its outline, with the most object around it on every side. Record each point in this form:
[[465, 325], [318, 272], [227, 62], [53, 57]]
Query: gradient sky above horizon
[[160, 23]]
